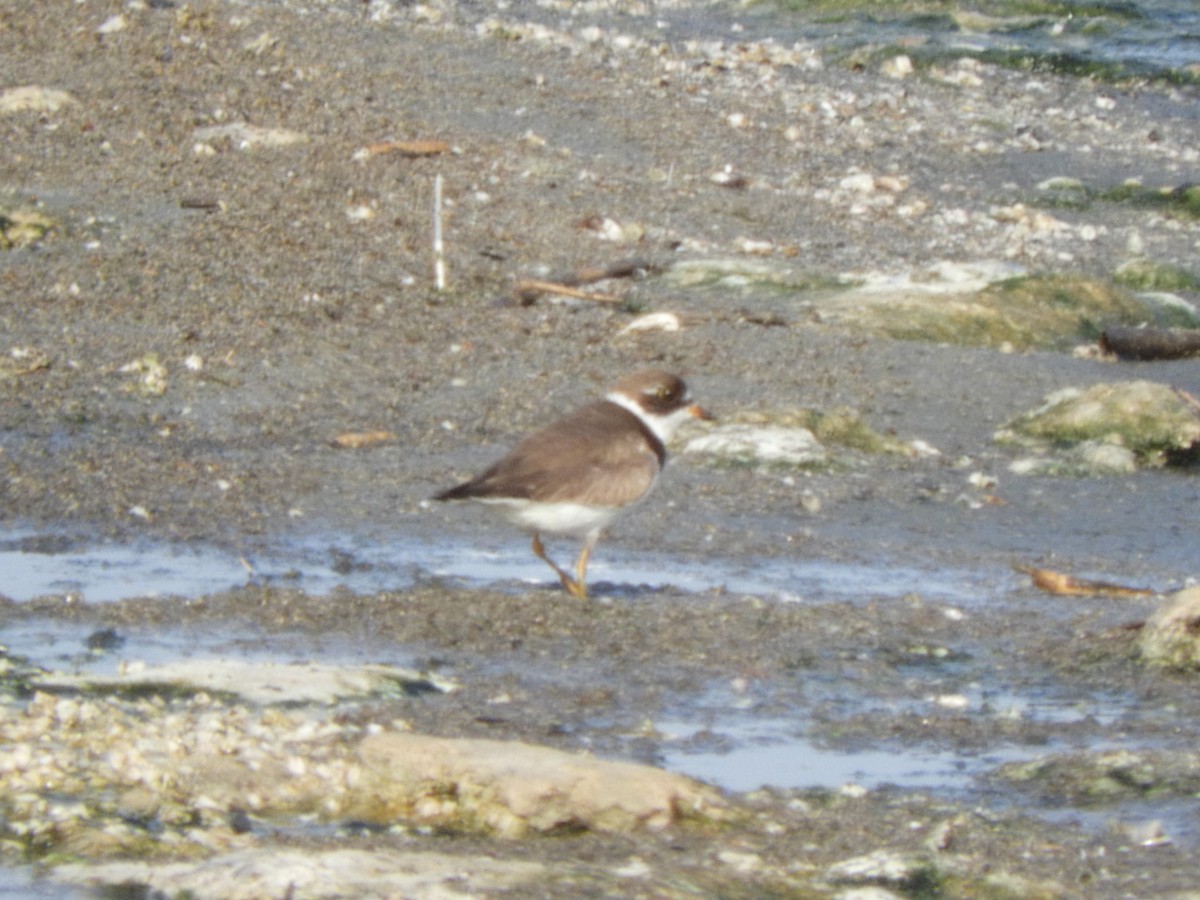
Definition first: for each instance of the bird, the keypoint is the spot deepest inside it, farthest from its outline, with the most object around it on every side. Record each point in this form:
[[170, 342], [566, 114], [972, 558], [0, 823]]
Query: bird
[[576, 475]]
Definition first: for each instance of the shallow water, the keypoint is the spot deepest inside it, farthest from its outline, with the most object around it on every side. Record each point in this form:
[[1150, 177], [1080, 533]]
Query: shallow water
[[721, 737], [735, 735], [23, 884], [1149, 38], [1155, 38], [104, 572]]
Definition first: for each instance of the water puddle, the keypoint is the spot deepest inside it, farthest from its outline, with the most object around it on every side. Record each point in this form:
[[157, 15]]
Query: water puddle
[[770, 754], [75, 648], [721, 738], [36, 566], [23, 884]]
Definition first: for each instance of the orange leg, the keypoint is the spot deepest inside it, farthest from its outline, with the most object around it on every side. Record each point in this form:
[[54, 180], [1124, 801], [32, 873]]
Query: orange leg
[[581, 568], [576, 588]]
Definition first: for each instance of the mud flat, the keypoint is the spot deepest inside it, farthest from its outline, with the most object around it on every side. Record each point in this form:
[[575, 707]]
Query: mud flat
[[222, 351]]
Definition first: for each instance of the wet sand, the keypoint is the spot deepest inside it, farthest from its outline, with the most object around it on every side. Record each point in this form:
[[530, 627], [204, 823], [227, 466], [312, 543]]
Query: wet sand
[[287, 292]]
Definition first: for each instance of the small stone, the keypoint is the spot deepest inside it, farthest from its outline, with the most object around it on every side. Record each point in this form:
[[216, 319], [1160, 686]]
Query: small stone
[[858, 183], [1171, 636], [888, 868], [33, 98], [742, 863], [243, 136], [866, 893], [952, 701], [658, 321], [113, 24], [635, 867], [759, 444], [898, 67], [1148, 834]]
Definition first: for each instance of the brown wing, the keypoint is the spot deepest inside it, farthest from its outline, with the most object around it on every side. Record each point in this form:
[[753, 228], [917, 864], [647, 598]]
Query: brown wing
[[576, 458]]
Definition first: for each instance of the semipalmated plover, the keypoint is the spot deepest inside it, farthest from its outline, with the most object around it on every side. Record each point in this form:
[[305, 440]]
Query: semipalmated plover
[[575, 476]]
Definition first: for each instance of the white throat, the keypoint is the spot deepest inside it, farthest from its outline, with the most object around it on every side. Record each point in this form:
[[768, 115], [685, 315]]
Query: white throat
[[661, 426]]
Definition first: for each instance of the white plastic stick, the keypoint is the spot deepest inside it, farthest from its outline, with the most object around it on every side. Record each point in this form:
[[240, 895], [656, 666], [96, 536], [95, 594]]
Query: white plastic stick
[[439, 258]]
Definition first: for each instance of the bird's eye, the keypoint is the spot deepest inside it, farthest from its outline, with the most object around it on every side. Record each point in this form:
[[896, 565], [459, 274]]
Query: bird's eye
[[663, 392]]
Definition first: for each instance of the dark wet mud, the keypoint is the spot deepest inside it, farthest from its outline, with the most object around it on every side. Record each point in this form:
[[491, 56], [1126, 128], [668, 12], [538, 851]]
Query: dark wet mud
[[793, 630]]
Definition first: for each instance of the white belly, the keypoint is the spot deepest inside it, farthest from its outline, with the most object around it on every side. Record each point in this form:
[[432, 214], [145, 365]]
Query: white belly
[[572, 519]]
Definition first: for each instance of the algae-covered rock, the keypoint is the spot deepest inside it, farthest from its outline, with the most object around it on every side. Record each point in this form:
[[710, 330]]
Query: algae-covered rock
[[1110, 776], [1143, 274], [888, 869], [23, 228], [1181, 201], [510, 789], [1088, 459], [1156, 285], [253, 873], [843, 426], [745, 444], [1148, 420], [1048, 311], [984, 303], [747, 272], [254, 682], [793, 437], [1053, 311], [1171, 637]]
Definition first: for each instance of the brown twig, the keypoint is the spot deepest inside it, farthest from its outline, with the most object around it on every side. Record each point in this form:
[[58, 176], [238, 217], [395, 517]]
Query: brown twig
[[1064, 585], [411, 149], [567, 284], [529, 289]]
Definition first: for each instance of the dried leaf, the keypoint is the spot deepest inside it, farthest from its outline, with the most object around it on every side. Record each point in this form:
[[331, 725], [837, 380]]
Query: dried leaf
[[529, 289], [1060, 583], [408, 148], [356, 440]]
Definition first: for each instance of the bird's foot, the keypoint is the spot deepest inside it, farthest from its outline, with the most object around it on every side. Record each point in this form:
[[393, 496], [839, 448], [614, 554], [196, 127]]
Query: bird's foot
[[574, 586]]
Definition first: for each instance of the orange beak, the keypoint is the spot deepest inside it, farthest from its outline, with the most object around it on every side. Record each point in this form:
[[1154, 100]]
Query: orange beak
[[699, 412]]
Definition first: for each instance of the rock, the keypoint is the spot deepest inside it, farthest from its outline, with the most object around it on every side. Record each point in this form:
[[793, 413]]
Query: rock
[[1171, 636], [511, 788], [984, 304], [745, 271], [886, 868], [152, 375], [1143, 418], [1091, 459], [33, 98], [254, 682], [248, 137], [751, 444], [113, 24], [898, 67], [1170, 310], [858, 183], [655, 321], [1109, 776], [23, 228], [1143, 274], [1147, 834], [1003, 885], [870, 892], [844, 426], [274, 872]]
